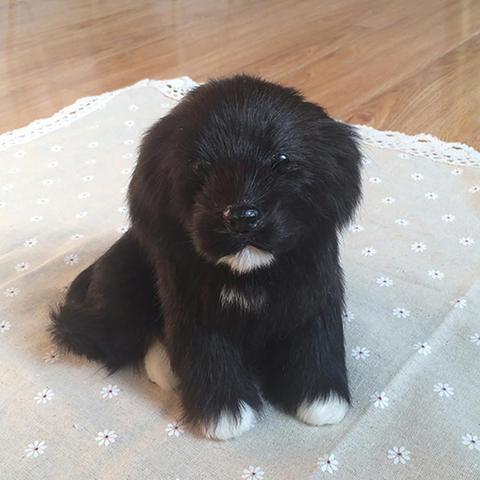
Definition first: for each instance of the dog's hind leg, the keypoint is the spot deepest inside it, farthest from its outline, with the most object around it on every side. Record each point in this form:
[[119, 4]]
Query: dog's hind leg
[[111, 313]]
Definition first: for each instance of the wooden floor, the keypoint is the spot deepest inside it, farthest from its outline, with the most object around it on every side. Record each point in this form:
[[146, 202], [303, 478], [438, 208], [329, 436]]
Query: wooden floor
[[409, 65]]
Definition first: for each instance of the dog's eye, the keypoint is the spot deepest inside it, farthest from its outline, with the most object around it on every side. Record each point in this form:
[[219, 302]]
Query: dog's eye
[[280, 162]]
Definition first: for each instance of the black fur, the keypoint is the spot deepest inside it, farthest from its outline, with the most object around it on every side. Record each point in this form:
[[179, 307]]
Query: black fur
[[221, 146], [111, 312]]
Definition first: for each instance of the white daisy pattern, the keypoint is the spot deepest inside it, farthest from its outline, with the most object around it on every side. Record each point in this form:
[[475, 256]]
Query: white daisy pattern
[[404, 156], [448, 217], [375, 180], [436, 274], [133, 107], [5, 326], [431, 196], [475, 339], [56, 148], [388, 200], [403, 222], [87, 178], [129, 123], [83, 195], [418, 177], [48, 181], [109, 391], [418, 247], [53, 164], [126, 171], [71, 259], [22, 266], [360, 353], [31, 242], [36, 218], [81, 214], [474, 189], [348, 316], [456, 171], [36, 448], [384, 282], [423, 348], [460, 303], [42, 201], [51, 356], [368, 252], [106, 437], [253, 473], [401, 312], [122, 228], [471, 441], [379, 400], [443, 389], [356, 228], [76, 236], [174, 430], [93, 145], [44, 396], [399, 455], [466, 241], [11, 292], [328, 464]]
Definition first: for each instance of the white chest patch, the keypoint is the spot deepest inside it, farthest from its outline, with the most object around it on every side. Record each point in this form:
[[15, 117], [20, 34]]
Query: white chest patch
[[233, 297], [248, 259]]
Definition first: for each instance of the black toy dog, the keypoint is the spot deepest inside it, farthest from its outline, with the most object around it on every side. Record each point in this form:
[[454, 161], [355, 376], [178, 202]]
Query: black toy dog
[[228, 283]]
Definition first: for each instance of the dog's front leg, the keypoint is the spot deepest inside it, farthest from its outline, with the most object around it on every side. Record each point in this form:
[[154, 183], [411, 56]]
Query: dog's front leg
[[218, 393], [306, 374]]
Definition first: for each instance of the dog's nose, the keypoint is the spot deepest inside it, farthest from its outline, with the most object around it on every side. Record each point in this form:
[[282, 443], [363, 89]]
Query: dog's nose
[[241, 218]]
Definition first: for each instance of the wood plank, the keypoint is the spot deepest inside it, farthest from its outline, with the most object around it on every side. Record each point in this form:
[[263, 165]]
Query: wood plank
[[345, 54], [445, 93]]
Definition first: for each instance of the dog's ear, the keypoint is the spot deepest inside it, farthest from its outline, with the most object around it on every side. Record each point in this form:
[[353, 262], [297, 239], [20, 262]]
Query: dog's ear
[[337, 160]]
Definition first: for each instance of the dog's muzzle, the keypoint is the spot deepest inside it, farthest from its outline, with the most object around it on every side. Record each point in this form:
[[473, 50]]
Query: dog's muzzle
[[241, 218]]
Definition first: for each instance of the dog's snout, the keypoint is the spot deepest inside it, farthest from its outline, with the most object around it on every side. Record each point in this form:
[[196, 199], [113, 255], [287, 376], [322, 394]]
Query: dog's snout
[[241, 218]]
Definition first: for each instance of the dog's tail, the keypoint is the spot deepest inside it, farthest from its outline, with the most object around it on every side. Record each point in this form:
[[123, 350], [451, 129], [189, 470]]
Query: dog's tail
[[77, 327], [110, 313]]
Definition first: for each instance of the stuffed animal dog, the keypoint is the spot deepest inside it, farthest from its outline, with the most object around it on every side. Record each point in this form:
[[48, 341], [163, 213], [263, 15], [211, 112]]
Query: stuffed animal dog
[[228, 282]]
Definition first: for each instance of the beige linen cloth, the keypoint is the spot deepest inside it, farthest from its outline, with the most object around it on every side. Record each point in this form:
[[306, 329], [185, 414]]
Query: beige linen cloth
[[412, 263]]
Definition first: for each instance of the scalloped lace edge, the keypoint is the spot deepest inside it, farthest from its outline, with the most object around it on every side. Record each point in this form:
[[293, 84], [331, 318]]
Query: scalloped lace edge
[[423, 145]]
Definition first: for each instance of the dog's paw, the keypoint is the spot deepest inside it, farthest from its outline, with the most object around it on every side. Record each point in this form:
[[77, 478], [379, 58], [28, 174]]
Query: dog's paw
[[228, 426], [159, 370], [323, 411]]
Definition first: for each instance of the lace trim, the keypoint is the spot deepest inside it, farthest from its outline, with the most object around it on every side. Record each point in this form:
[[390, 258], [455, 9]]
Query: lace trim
[[423, 145], [175, 89]]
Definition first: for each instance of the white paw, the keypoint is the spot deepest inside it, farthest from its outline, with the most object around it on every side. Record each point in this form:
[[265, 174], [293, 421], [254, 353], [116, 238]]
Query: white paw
[[227, 426], [323, 411], [157, 365]]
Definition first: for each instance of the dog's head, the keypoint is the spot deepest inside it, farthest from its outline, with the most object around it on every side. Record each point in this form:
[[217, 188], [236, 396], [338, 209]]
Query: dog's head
[[252, 170]]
